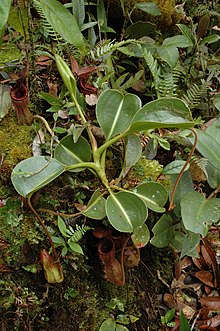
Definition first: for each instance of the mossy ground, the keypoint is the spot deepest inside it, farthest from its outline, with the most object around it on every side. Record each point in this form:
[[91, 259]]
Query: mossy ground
[[80, 302], [15, 145]]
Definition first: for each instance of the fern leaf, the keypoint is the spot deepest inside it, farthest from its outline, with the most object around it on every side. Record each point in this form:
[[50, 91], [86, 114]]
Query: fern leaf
[[202, 164], [107, 47], [194, 94], [154, 69], [79, 232], [167, 86], [46, 26]]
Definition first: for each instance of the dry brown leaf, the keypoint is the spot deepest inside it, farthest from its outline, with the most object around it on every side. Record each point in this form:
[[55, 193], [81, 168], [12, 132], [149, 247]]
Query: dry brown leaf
[[207, 290], [210, 258], [211, 303], [199, 263], [44, 61], [169, 301], [205, 277]]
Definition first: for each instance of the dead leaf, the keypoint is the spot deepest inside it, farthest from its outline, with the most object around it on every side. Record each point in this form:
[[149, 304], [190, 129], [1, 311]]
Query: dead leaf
[[205, 277], [209, 257], [83, 72], [44, 61], [180, 265], [80, 207], [169, 301], [188, 312], [53, 88], [207, 290], [199, 263], [91, 99], [37, 142], [211, 303]]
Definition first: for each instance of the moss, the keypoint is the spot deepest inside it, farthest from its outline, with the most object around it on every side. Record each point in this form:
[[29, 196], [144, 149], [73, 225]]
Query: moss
[[169, 15], [143, 170], [8, 53], [15, 144]]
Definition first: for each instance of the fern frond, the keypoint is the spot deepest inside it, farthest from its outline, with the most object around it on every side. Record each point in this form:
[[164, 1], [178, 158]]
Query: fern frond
[[78, 232], [154, 69], [169, 82], [202, 10], [194, 94], [45, 23], [167, 86], [107, 47], [202, 164]]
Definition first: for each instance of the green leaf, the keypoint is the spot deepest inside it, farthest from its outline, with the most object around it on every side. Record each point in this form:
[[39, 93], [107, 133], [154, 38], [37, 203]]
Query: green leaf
[[141, 236], [208, 147], [216, 101], [184, 186], [70, 153], [133, 151], [139, 29], [96, 207], [62, 226], [115, 111], [213, 176], [101, 15], [64, 251], [63, 22], [5, 6], [174, 167], [162, 113], [51, 99], [184, 324], [75, 247], [58, 240], [198, 213], [121, 328], [132, 80], [32, 174], [180, 41], [190, 244], [108, 325], [169, 315], [178, 239], [5, 100], [169, 54], [18, 19], [187, 33], [153, 194], [78, 9], [163, 143], [163, 232], [66, 75], [213, 130], [213, 38], [149, 8], [125, 211]]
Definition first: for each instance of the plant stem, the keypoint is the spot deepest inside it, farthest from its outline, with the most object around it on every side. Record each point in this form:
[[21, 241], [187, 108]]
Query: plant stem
[[44, 227], [110, 142], [45, 123], [172, 206], [84, 121]]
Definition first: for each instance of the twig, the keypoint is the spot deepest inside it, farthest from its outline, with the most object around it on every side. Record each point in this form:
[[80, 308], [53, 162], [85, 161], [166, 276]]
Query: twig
[[214, 193], [162, 280], [45, 123], [172, 206], [44, 227], [58, 213]]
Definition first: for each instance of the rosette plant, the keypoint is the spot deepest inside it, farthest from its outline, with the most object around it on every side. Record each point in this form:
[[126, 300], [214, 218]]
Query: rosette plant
[[120, 117]]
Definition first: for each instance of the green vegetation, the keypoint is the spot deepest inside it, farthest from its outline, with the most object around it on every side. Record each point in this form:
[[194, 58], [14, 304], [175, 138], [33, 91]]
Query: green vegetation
[[103, 175]]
